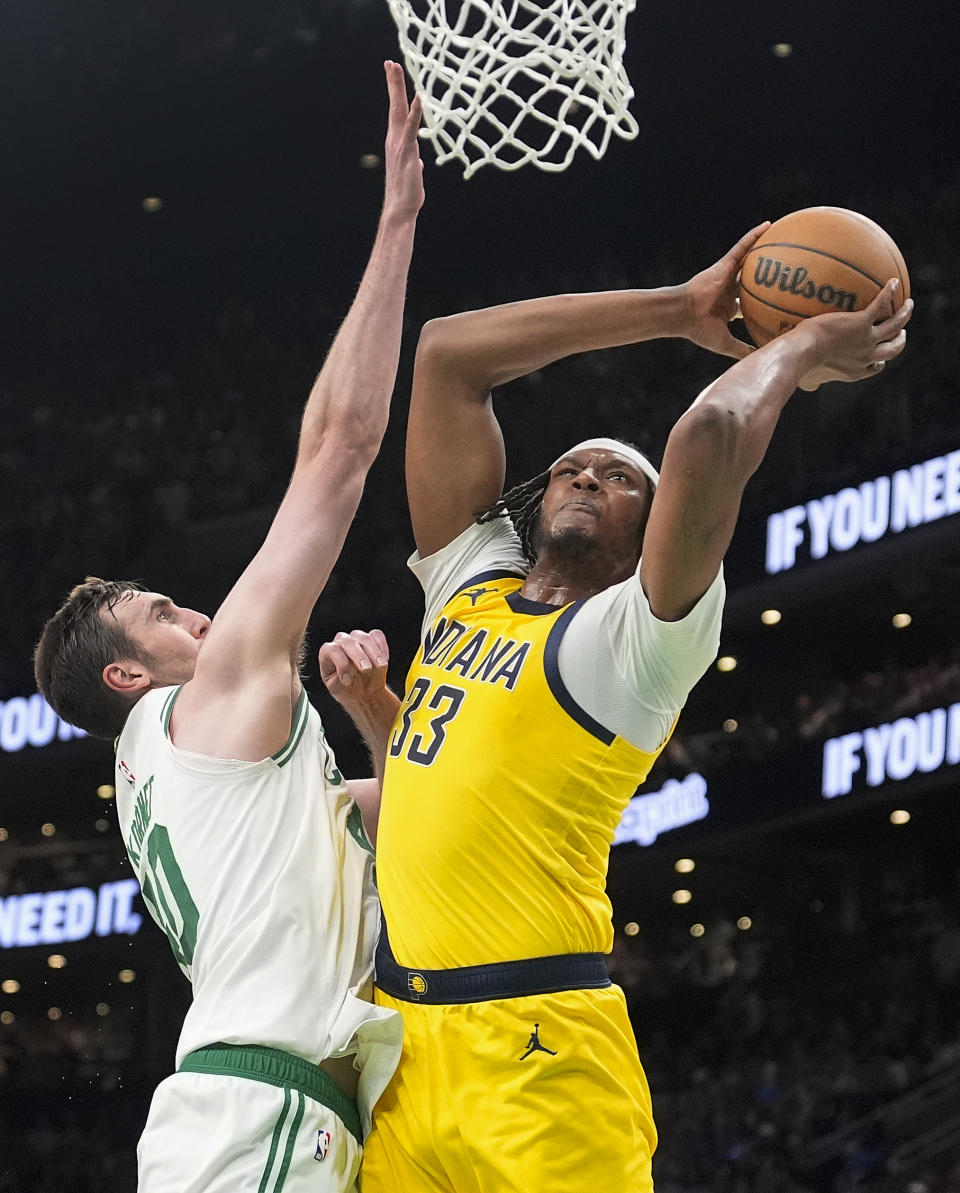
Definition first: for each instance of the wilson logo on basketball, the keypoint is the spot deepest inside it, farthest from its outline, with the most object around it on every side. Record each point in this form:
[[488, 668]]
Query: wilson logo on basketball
[[796, 280]]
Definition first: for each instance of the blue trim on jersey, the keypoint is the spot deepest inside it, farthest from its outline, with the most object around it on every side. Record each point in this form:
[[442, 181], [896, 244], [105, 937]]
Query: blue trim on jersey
[[551, 667], [521, 604], [483, 577]]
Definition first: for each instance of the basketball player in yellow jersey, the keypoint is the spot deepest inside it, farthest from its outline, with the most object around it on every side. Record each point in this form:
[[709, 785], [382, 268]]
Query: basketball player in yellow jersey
[[553, 665]]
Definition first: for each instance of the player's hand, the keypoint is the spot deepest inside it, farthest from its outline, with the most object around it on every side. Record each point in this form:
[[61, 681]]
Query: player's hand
[[403, 191], [712, 302], [354, 665], [856, 345]]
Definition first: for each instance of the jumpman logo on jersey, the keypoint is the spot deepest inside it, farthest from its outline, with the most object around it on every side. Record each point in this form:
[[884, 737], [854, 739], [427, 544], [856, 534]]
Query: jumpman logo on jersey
[[534, 1045], [475, 594]]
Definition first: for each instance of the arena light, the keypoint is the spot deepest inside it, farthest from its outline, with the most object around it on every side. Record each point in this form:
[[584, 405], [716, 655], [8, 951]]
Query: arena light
[[369, 161], [103, 1009], [54, 1013], [900, 816], [681, 896], [101, 825], [771, 616], [48, 829], [726, 662], [56, 961], [7, 1017], [697, 930], [631, 929], [10, 986], [127, 976], [151, 204], [106, 791], [744, 923], [730, 725], [781, 49], [684, 865], [4, 835], [900, 621]]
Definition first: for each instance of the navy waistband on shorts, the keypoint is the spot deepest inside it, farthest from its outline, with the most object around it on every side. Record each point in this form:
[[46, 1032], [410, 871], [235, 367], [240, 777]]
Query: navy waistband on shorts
[[482, 983]]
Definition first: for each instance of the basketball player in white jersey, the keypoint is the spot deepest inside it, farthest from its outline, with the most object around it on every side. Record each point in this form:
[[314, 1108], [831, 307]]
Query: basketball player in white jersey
[[252, 851]]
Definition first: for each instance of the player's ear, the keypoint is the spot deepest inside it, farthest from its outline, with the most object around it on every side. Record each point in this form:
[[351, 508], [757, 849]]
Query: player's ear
[[126, 677]]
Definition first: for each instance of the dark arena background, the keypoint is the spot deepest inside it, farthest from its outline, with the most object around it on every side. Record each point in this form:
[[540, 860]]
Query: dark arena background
[[189, 190]]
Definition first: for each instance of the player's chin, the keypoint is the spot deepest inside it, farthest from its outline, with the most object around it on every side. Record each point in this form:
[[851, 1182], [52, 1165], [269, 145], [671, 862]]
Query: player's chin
[[574, 537]]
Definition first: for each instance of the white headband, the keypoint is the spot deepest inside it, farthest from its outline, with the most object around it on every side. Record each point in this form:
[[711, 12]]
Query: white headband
[[622, 449]]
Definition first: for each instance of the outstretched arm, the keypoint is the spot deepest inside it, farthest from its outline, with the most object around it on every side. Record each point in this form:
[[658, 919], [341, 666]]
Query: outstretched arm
[[240, 701], [717, 445], [455, 455]]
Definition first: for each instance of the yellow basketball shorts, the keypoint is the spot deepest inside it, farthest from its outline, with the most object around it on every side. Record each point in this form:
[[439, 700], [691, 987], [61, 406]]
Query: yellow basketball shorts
[[538, 1094]]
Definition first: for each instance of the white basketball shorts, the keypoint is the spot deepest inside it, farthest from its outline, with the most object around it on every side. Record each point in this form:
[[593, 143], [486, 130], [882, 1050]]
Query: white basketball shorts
[[249, 1119]]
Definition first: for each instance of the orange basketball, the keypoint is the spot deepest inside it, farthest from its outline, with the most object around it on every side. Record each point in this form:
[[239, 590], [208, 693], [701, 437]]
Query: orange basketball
[[813, 261]]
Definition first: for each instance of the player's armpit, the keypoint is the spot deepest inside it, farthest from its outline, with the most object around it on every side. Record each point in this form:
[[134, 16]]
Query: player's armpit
[[249, 719], [365, 793], [455, 459]]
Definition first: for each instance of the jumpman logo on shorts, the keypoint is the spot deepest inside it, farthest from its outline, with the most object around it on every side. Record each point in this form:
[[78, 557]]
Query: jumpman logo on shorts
[[534, 1045]]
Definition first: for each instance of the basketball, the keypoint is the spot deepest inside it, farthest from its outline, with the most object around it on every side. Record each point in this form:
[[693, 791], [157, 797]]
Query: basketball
[[814, 261]]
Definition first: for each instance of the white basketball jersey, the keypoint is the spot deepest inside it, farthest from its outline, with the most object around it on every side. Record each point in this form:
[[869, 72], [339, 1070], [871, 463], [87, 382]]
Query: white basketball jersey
[[261, 876]]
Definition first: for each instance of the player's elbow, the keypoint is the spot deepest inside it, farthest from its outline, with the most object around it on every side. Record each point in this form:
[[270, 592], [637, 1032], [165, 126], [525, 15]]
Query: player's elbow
[[455, 348], [715, 437], [437, 339]]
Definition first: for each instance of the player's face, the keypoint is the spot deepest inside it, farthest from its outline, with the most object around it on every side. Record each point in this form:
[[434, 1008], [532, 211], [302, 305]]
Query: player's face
[[168, 637], [599, 497]]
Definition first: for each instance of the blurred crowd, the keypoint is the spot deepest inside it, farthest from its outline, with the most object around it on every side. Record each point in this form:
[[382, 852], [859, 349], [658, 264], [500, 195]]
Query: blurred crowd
[[757, 1042], [761, 1036], [103, 456], [780, 718]]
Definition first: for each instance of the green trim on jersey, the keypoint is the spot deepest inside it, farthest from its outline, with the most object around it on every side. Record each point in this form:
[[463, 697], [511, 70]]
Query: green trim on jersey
[[357, 831], [284, 754], [282, 1069], [300, 715], [167, 711]]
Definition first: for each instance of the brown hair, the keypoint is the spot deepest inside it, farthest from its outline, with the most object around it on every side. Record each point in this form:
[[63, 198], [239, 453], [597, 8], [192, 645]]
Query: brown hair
[[75, 646]]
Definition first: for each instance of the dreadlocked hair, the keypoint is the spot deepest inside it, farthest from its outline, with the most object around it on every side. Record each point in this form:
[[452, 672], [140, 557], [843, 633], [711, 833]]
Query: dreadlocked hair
[[521, 505]]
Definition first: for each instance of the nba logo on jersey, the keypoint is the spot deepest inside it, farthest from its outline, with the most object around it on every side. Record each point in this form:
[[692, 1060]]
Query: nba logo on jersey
[[323, 1146], [127, 773]]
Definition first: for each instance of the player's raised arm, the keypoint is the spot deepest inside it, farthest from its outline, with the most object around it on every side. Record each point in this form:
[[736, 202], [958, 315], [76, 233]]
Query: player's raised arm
[[240, 702], [718, 444], [455, 455]]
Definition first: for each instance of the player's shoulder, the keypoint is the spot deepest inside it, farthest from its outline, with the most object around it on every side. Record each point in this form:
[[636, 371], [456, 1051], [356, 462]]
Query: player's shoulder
[[481, 549], [151, 713], [497, 537]]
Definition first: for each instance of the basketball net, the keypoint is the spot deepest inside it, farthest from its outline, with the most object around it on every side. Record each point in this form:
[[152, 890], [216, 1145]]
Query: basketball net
[[507, 82]]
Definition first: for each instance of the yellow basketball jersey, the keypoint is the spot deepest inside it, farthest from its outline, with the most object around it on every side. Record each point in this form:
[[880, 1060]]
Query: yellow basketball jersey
[[501, 794]]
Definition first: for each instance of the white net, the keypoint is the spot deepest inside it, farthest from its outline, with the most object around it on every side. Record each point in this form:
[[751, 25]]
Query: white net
[[507, 82]]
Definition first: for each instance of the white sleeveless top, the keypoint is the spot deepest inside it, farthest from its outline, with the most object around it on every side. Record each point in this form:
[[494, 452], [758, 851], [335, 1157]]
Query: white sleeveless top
[[261, 876]]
